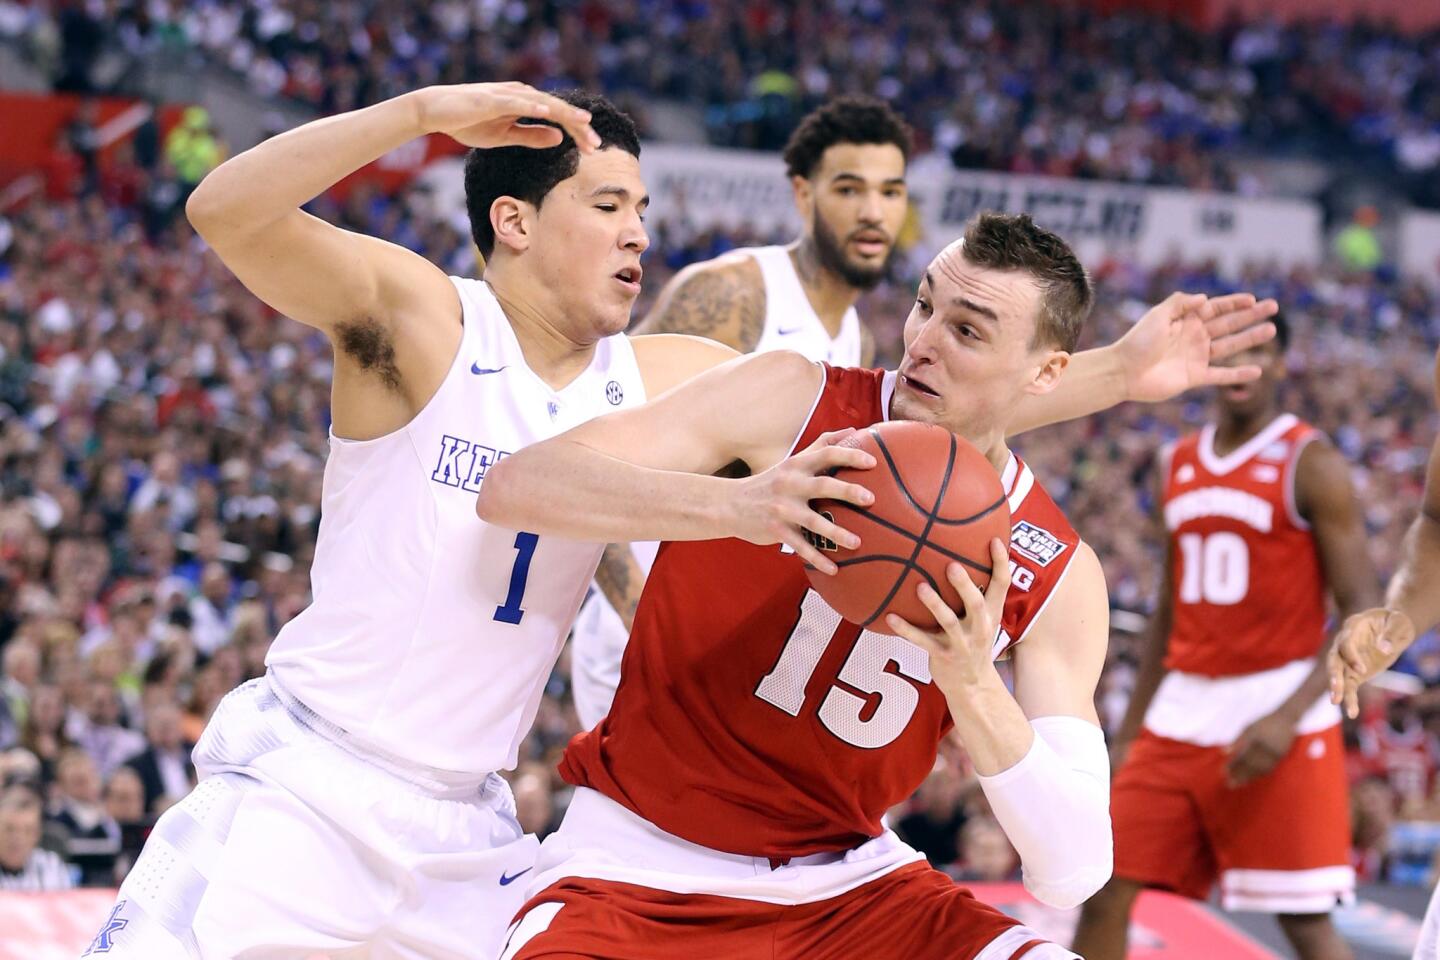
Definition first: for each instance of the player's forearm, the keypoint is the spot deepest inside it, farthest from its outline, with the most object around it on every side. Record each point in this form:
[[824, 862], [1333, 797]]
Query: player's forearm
[[563, 488], [989, 722], [1094, 381], [274, 178], [1415, 587]]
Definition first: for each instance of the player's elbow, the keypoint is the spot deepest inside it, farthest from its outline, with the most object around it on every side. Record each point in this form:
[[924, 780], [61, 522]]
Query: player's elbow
[[499, 502], [1082, 883]]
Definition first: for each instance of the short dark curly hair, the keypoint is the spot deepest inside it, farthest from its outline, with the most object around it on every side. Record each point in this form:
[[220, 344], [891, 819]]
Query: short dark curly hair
[[1016, 242], [528, 174], [852, 119]]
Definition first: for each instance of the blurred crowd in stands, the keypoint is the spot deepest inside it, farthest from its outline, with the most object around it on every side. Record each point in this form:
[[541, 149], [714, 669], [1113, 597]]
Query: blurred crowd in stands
[[1025, 86]]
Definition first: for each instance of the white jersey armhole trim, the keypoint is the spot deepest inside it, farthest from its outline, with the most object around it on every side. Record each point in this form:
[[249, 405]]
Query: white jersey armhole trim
[[1292, 507], [1048, 597], [805, 425], [449, 372]]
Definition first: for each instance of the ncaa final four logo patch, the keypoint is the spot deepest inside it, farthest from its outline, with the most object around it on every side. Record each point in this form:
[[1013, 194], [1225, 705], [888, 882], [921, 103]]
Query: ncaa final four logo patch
[[1039, 545]]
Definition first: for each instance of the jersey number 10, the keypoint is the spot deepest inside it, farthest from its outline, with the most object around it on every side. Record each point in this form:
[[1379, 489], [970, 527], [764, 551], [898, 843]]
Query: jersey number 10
[[1217, 568]]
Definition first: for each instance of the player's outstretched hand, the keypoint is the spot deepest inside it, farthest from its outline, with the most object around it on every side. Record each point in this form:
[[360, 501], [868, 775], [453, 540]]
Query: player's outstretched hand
[[1180, 342], [777, 506], [1368, 643], [489, 115], [962, 649], [1258, 748]]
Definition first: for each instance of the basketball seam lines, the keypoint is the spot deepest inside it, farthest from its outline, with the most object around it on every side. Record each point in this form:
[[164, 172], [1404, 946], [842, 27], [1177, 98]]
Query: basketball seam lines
[[896, 528], [928, 514]]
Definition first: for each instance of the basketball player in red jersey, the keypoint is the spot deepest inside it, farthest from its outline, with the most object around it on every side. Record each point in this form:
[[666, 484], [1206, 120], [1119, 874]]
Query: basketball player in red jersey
[[732, 802], [1233, 766]]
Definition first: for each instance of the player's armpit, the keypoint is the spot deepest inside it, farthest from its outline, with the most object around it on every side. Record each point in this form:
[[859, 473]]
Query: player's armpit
[[1057, 666], [721, 300], [621, 580]]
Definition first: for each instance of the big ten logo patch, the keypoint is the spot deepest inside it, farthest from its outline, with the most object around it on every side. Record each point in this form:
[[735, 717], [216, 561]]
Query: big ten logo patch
[[816, 540], [463, 463]]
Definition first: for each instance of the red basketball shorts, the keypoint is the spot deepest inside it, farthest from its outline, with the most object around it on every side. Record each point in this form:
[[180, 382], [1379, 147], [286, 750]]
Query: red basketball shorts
[[1279, 844]]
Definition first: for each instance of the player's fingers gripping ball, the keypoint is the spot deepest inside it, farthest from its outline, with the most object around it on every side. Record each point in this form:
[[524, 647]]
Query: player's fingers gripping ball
[[937, 500]]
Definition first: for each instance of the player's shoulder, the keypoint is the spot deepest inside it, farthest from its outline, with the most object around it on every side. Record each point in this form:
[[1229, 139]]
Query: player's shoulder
[[734, 268]]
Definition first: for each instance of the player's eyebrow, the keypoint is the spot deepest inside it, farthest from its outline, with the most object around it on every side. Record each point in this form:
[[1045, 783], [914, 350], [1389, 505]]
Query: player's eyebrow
[[847, 175], [976, 308], [619, 193], [965, 303]]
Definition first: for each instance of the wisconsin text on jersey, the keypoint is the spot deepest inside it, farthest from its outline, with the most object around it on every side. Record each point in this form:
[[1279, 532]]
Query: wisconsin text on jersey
[[1221, 502]]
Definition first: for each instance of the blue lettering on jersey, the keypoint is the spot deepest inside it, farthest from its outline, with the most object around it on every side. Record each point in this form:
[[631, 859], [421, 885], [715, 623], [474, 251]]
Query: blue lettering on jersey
[[463, 463], [103, 941]]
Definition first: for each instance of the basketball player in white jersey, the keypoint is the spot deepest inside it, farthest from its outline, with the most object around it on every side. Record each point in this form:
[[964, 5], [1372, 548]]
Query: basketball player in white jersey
[[846, 163], [349, 802]]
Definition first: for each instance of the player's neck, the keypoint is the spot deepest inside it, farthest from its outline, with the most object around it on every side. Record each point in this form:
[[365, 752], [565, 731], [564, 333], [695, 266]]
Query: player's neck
[[829, 295], [551, 351], [1233, 431]]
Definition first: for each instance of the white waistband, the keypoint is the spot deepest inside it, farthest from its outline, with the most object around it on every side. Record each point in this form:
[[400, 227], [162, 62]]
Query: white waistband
[[434, 782], [1212, 711], [603, 840]]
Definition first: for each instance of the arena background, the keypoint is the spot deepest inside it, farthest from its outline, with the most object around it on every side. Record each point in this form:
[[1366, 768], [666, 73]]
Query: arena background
[[162, 433]]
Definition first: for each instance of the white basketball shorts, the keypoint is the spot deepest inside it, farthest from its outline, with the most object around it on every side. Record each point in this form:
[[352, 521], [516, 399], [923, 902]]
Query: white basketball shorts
[[295, 843]]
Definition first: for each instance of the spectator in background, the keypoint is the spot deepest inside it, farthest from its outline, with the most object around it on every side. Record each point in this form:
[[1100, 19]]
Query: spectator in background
[[164, 767], [986, 855], [937, 813], [19, 672], [23, 865], [44, 732], [1357, 245], [91, 837], [98, 731], [192, 148]]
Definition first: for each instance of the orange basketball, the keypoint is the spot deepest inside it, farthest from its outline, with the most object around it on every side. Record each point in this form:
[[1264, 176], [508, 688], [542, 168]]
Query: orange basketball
[[937, 500]]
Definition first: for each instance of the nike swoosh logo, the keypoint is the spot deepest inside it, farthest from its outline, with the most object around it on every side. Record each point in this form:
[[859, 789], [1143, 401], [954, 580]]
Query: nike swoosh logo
[[480, 371], [786, 333], [504, 880]]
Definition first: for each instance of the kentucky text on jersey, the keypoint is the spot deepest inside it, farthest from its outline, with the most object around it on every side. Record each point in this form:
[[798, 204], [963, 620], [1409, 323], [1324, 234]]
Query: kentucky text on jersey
[[1221, 502], [463, 463]]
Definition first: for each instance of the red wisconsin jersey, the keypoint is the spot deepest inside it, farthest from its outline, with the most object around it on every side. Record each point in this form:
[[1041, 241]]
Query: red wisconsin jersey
[[751, 718], [1248, 590]]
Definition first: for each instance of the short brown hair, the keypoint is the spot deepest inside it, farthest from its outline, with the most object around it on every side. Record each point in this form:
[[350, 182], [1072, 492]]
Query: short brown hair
[[1015, 242]]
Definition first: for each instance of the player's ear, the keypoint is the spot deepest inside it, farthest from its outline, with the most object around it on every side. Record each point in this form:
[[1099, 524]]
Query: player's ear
[[1047, 377], [512, 221], [804, 197]]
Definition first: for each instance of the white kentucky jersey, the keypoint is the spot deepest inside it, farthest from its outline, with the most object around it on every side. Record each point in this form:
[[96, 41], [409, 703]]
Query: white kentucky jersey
[[791, 323], [432, 633]]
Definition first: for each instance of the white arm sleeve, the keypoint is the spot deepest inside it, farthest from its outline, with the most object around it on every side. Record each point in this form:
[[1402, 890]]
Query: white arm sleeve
[[1055, 807]]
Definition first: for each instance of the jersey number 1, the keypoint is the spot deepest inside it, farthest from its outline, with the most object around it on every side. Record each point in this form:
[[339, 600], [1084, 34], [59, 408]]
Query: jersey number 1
[[509, 611], [867, 669]]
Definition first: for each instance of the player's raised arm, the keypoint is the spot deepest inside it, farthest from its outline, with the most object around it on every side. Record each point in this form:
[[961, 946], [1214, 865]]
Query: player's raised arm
[[721, 299], [647, 473], [1176, 346], [380, 303]]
